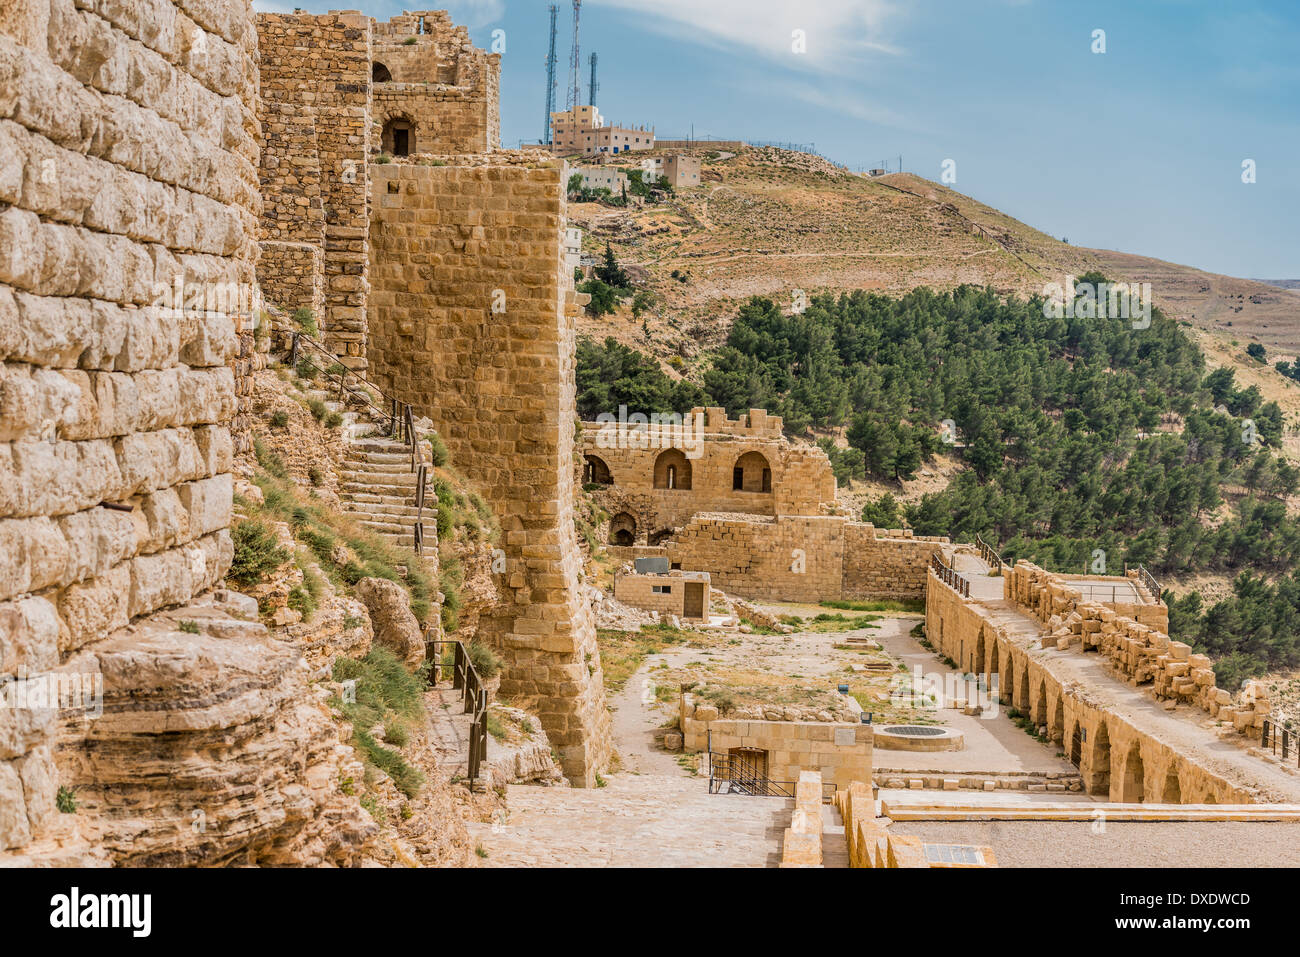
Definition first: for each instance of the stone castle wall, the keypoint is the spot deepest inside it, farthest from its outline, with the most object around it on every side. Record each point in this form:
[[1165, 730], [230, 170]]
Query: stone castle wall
[[315, 115], [128, 161], [802, 558], [473, 321]]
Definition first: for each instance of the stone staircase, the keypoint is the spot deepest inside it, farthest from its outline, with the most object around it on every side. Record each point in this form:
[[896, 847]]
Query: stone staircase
[[376, 483], [378, 487]]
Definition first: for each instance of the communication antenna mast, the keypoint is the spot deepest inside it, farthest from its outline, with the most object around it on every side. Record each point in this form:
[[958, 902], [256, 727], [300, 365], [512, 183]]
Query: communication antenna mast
[[594, 86], [551, 63], [575, 60]]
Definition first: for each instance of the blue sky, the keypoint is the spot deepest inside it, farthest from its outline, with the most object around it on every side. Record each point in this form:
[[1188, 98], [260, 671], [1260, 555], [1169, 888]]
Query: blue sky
[[1139, 148]]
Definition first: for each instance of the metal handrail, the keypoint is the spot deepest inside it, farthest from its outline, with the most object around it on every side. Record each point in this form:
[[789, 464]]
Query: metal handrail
[[1274, 736], [1149, 580], [297, 339], [989, 553], [949, 577], [465, 679]]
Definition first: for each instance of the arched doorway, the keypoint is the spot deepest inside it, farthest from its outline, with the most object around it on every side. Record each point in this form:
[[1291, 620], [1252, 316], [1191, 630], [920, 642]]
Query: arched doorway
[[1100, 764], [1040, 706], [673, 471], [752, 473], [1172, 793], [399, 137], [1022, 690], [1076, 746], [1131, 783], [622, 529], [380, 73], [1008, 689], [1057, 733], [596, 472]]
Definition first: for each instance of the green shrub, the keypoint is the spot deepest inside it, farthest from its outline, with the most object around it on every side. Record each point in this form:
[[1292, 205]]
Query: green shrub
[[484, 659], [333, 420], [306, 369], [438, 448], [495, 727], [306, 322], [395, 733], [317, 409], [316, 476], [66, 800], [189, 627], [387, 694], [269, 461], [279, 419], [257, 553]]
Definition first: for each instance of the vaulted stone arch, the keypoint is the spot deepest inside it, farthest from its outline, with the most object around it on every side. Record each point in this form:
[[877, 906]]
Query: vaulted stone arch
[[596, 471], [673, 471], [622, 529], [1132, 777], [752, 473], [1172, 791]]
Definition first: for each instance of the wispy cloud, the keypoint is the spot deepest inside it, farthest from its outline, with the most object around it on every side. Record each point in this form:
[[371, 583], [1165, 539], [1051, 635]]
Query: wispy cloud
[[837, 32]]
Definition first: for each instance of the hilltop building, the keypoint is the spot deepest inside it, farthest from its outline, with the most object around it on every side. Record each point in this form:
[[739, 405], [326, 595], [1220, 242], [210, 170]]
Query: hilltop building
[[584, 130]]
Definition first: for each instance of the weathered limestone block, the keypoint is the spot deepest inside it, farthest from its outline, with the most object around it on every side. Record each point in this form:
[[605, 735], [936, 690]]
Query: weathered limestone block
[[37, 478], [35, 403], [96, 608], [98, 539], [33, 555], [396, 628], [29, 636]]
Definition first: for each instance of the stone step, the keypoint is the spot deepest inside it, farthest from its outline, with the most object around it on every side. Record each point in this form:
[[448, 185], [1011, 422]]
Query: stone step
[[363, 481], [361, 499], [402, 508], [378, 467], [398, 458], [405, 519]]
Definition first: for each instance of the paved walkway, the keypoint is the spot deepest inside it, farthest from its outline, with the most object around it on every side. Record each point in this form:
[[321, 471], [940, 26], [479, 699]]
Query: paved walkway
[[652, 813], [993, 743]]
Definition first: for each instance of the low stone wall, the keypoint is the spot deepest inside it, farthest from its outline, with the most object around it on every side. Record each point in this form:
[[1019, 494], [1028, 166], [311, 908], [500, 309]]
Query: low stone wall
[[803, 558], [1108, 750], [871, 844], [802, 844], [1134, 640], [840, 752]]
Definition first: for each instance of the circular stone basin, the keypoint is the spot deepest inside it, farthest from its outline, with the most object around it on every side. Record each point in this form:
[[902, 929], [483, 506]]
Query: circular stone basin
[[915, 737]]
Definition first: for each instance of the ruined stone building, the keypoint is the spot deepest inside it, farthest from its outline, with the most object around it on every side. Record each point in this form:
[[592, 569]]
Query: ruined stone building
[[738, 500]]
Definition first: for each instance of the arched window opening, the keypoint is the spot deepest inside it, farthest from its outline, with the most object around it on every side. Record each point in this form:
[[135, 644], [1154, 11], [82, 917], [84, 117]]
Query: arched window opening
[[596, 472], [673, 471], [752, 473], [380, 73]]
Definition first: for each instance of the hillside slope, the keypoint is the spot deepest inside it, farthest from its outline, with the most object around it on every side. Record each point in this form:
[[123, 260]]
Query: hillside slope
[[768, 222]]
